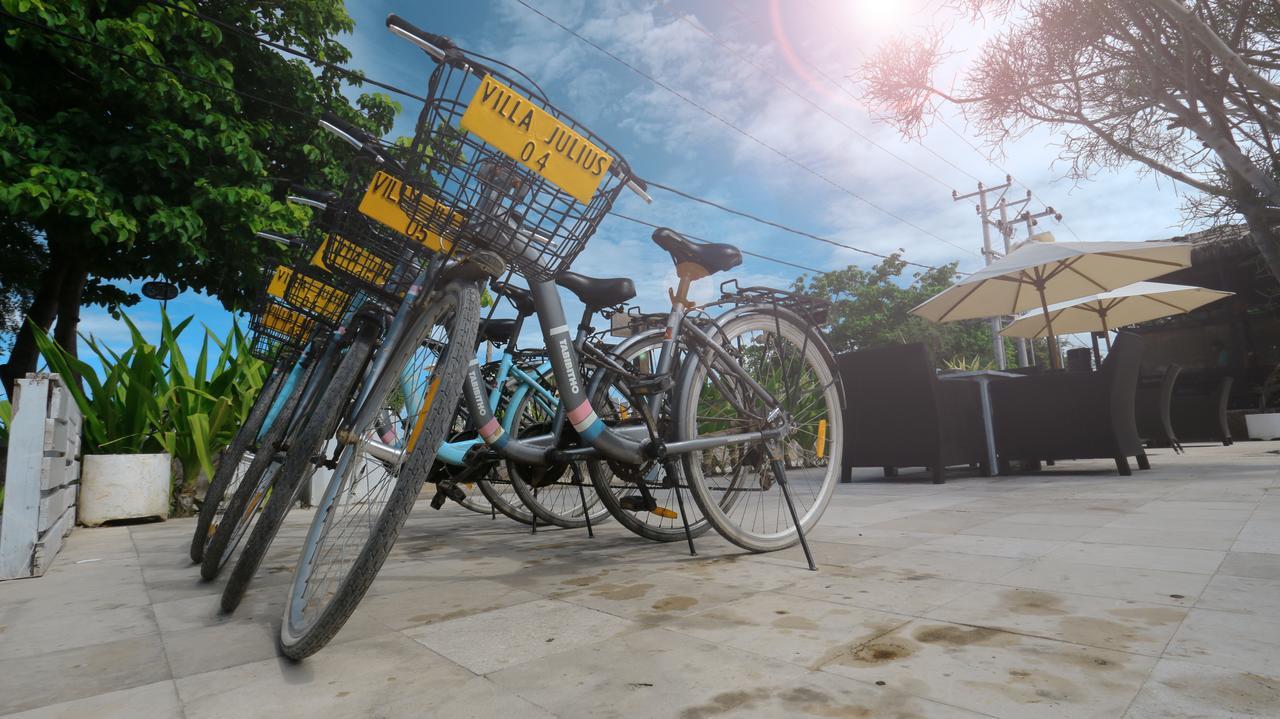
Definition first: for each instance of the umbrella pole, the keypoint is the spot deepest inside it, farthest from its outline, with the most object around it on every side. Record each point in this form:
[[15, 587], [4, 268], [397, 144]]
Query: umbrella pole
[[1106, 333], [1097, 354], [1055, 362]]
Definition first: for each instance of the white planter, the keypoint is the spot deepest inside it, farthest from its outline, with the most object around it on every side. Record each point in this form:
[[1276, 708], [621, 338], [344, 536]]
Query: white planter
[[123, 486], [1263, 426]]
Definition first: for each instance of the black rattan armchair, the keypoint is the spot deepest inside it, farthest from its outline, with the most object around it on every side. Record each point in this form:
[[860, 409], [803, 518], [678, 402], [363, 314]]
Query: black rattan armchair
[[900, 415], [1072, 415], [1152, 409]]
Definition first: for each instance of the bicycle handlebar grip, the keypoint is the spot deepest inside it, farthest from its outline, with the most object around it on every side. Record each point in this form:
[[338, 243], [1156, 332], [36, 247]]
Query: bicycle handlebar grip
[[344, 129], [434, 45], [319, 199], [282, 239]]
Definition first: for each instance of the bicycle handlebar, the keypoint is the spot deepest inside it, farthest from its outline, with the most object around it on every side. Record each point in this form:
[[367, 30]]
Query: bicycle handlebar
[[319, 199], [358, 138], [430, 43], [282, 239]]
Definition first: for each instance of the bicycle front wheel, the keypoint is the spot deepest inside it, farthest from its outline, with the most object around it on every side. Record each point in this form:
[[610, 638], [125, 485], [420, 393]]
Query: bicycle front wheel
[[233, 464], [735, 484], [370, 495]]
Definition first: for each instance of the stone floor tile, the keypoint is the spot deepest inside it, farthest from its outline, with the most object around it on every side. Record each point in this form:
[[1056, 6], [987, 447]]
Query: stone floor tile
[[794, 629], [387, 676], [1174, 559], [951, 565], [1209, 636], [1092, 621], [666, 674], [1026, 530], [55, 677], [1251, 564], [441, 602], [886, 591], [938, 521], [996, 673], [1243, 595], [33, 627], [1010, 547], [1182, 690], [492, 640], [153, 701], [1149, 586]]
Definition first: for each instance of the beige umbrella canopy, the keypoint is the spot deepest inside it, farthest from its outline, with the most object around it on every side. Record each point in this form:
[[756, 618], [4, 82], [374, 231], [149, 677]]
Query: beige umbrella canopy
[[1138, 302], [1038, 274]]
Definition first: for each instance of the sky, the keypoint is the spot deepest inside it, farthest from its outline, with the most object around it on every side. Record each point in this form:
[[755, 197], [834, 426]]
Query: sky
[[771, 70]]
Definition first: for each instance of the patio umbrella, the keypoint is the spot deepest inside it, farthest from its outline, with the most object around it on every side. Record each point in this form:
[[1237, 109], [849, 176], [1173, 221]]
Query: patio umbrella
[[1039, 274], [1138, 302]]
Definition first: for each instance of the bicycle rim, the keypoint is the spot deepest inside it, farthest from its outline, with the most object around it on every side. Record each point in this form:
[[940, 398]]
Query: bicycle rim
[[734, 484], [367, 501]]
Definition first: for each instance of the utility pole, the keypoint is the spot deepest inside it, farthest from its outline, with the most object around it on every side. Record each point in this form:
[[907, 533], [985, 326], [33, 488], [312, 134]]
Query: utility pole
[[988, 255], [1006, 227]]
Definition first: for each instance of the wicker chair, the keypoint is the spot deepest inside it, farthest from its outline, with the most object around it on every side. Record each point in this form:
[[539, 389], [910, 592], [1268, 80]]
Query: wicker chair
[[900, 415], [1072, 415], [1199, 410], [1152, 409]]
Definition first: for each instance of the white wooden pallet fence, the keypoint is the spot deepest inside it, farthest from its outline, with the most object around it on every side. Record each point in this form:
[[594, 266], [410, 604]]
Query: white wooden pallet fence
[[42, 477]]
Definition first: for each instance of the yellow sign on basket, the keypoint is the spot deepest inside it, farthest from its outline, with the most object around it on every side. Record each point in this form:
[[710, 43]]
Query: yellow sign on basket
[[381, 202], [286, 321], [279, 281], [527, 133]]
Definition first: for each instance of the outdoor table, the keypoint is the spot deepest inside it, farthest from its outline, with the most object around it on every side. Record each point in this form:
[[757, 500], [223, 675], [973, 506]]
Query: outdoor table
[[983, 377]]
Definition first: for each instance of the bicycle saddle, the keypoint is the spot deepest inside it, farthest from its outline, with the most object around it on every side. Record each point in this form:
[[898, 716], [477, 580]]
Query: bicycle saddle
[[598, 292], [497, 331], [712, 257], [519, 296]]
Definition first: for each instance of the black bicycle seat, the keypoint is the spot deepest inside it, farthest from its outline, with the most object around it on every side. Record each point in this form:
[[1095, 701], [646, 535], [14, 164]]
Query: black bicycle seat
[[519, 296], [598, 292], [497, 331], [711, 256]]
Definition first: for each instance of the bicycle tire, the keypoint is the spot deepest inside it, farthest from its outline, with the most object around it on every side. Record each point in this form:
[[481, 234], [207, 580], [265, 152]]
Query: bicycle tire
[[502, 495], [564, 507], [603, 476], [299, 642], [811, 354], [225, 476], [254, 485], [318, 426]]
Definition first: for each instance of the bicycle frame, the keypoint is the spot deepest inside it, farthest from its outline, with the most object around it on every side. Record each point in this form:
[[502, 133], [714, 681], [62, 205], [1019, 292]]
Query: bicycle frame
[[630, 444], [454, 453]]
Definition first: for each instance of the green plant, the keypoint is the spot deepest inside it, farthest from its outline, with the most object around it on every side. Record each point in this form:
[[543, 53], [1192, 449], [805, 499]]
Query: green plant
[[150, 399], [968, 364]]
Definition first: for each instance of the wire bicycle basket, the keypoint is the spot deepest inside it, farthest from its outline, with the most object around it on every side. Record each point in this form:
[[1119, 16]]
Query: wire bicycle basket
[[495, 166]]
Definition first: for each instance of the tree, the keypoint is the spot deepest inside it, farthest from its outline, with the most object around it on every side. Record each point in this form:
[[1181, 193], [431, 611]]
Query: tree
[[139, 140], [871, 308], [1189, 93]]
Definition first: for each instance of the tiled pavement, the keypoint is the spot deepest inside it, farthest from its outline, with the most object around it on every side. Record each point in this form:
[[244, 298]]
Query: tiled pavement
[[1072, 593]]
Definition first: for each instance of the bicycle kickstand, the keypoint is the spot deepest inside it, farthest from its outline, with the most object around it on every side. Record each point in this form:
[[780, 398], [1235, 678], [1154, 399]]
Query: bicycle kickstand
[[684, 517], [582, 495], [780, 473]]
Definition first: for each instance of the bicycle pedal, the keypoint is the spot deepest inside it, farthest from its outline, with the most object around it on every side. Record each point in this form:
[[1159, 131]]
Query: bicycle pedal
[[446, 491], [649, 384], [664, 512], [637, 503]]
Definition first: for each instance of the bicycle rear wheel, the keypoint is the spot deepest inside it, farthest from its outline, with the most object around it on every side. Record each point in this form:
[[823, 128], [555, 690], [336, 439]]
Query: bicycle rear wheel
[[299, 463], [555, 494], [735, 485], [366, 503], [234, 462], [255, 485], [617, 483]]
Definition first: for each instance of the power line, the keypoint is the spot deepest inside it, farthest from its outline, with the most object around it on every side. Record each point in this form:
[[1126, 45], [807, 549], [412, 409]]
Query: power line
[[731, 125], [776, 225], [668, 188], [361, 76], [702, 240]]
